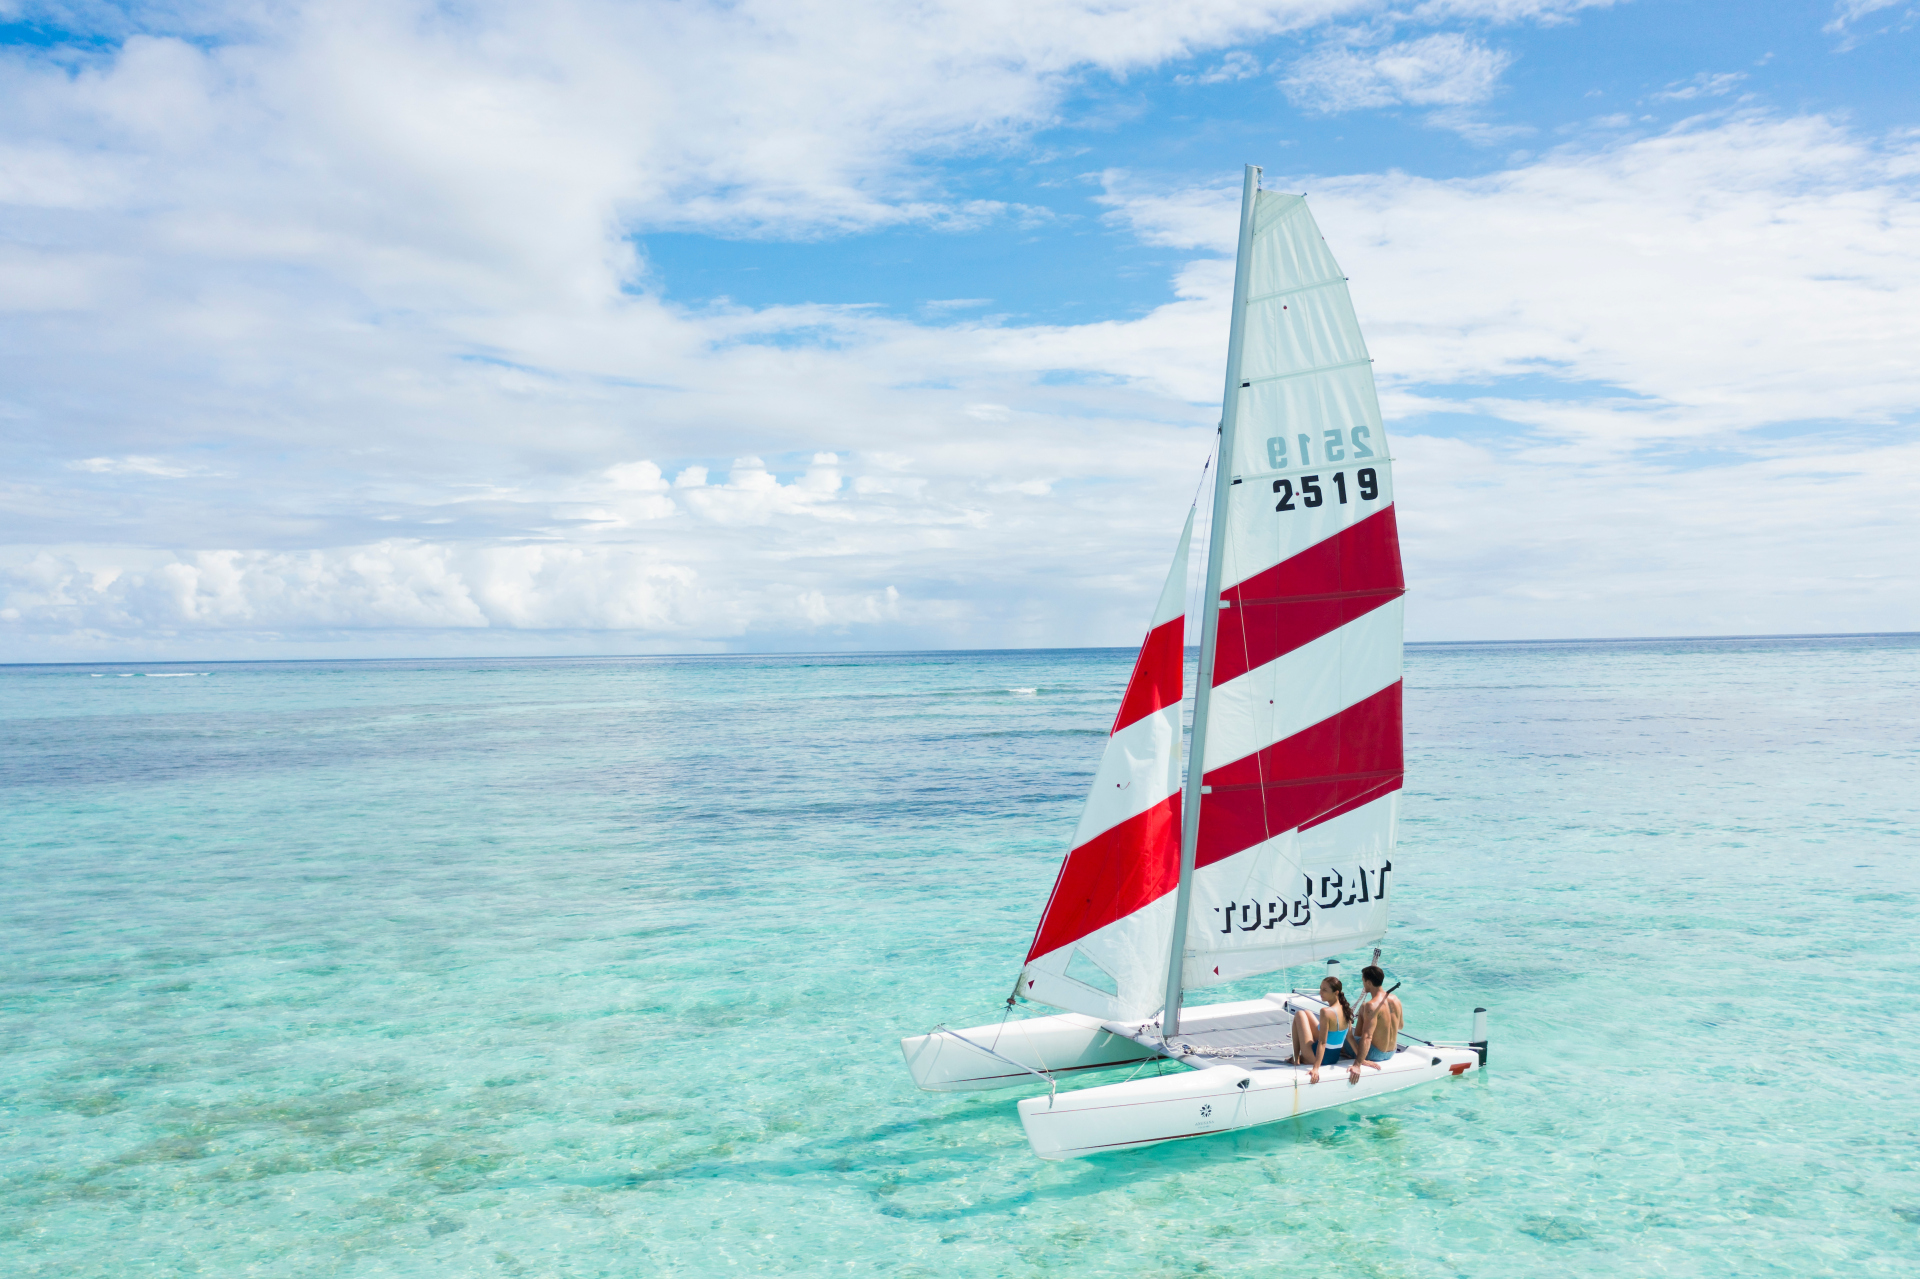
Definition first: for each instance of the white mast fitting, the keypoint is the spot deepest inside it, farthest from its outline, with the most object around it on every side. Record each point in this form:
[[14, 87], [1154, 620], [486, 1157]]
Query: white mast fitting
[[1275, 846]]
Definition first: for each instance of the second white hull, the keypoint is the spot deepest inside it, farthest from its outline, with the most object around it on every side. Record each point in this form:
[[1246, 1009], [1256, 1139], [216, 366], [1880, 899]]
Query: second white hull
[[1144, 1112], [1016, 1052]]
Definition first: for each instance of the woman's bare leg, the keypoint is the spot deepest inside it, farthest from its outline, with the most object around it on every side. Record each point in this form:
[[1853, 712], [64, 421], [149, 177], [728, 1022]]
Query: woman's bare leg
[[1303, 1034], [1309, 1044]]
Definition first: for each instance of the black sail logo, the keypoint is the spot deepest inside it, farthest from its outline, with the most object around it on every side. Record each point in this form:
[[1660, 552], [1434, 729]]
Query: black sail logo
[[1331, 890]]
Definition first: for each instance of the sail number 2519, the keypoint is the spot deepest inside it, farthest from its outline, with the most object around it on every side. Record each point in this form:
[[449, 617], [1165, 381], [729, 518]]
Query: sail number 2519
[[1333, 447], [1311, 494]]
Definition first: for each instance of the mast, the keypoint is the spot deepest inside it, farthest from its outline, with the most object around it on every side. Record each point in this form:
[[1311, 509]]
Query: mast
[[1210, 611]]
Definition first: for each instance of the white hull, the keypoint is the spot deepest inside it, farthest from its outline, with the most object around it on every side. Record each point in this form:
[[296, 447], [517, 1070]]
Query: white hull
[[1216, 1096], [1057, 1047], [1144, 1112]]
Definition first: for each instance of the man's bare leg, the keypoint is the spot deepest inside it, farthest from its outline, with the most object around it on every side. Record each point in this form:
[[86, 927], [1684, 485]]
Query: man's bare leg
[[1359, 1039]]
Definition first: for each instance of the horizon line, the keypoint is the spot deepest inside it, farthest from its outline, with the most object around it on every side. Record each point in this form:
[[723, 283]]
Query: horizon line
[[917, 652]]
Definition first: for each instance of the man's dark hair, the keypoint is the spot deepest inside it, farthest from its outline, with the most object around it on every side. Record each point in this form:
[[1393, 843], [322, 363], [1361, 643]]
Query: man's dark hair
[[1373, 976]]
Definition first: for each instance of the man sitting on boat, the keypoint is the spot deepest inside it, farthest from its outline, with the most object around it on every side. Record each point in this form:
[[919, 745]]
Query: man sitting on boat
[[1377, 1034], [1317, 1040]]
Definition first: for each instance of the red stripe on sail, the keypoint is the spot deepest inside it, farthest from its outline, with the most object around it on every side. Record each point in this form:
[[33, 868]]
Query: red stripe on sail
[[1344, 761], [1156, 674], [1112, 875], [1308, 595]]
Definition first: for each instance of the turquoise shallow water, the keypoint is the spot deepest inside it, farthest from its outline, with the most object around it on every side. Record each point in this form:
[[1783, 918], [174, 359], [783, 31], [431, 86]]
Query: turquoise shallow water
[[597, 967]]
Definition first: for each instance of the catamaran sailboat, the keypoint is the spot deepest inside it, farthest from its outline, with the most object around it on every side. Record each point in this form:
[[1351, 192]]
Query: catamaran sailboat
[[1277, 850]]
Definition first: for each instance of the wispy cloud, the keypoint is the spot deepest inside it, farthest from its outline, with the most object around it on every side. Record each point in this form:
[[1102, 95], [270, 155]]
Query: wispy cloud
[[135, 465], [1707, 84], [1543, 12], [1848, 12], [1238, 65], [1448, 72]]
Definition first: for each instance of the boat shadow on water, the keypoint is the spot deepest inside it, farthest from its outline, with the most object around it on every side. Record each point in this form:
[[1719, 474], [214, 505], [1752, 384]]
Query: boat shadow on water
[[893, 1163]]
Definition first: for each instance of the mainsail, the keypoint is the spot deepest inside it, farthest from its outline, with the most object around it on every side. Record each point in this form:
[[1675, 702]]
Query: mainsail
[[1302, 757], [1102, 942], [1299, 745]]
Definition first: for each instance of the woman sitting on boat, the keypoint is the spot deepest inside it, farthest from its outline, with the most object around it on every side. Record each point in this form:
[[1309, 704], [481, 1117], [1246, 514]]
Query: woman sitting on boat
[[1317, 1040]]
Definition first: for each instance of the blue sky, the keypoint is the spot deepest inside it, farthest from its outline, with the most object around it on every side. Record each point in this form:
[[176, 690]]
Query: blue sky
[[1644, 60], [364, 330]]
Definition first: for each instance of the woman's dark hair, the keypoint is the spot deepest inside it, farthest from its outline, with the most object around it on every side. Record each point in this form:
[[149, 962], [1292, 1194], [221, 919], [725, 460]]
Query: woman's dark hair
[[1373, 975], [1340, 994]]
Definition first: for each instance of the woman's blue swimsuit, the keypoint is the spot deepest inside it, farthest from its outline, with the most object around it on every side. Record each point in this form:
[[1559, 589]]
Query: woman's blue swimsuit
[[1337, 1049]]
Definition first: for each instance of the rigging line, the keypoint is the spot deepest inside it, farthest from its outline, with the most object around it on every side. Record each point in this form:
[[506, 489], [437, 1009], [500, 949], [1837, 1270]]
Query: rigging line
[[1195, 586], [1298, 288], [1204, 468], [1260, 763], [1052, 1086], [1323, 368], [1246, 660], [1325, 597], [1373, 776], [1192, 592], [1236, 1050], [1006, 1012]]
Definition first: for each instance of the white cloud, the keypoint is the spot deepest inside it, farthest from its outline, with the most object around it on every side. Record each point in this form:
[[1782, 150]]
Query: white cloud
[[132, 465], [1543, 12], [396, 583], [379, 260], [1444, 70], [1757, 271], [642, 476], [1848, 12], [1751, 270], [415, 140], [753, 495], [1705, 85], [1179, 218], [1238, 65], [1713, 327]]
